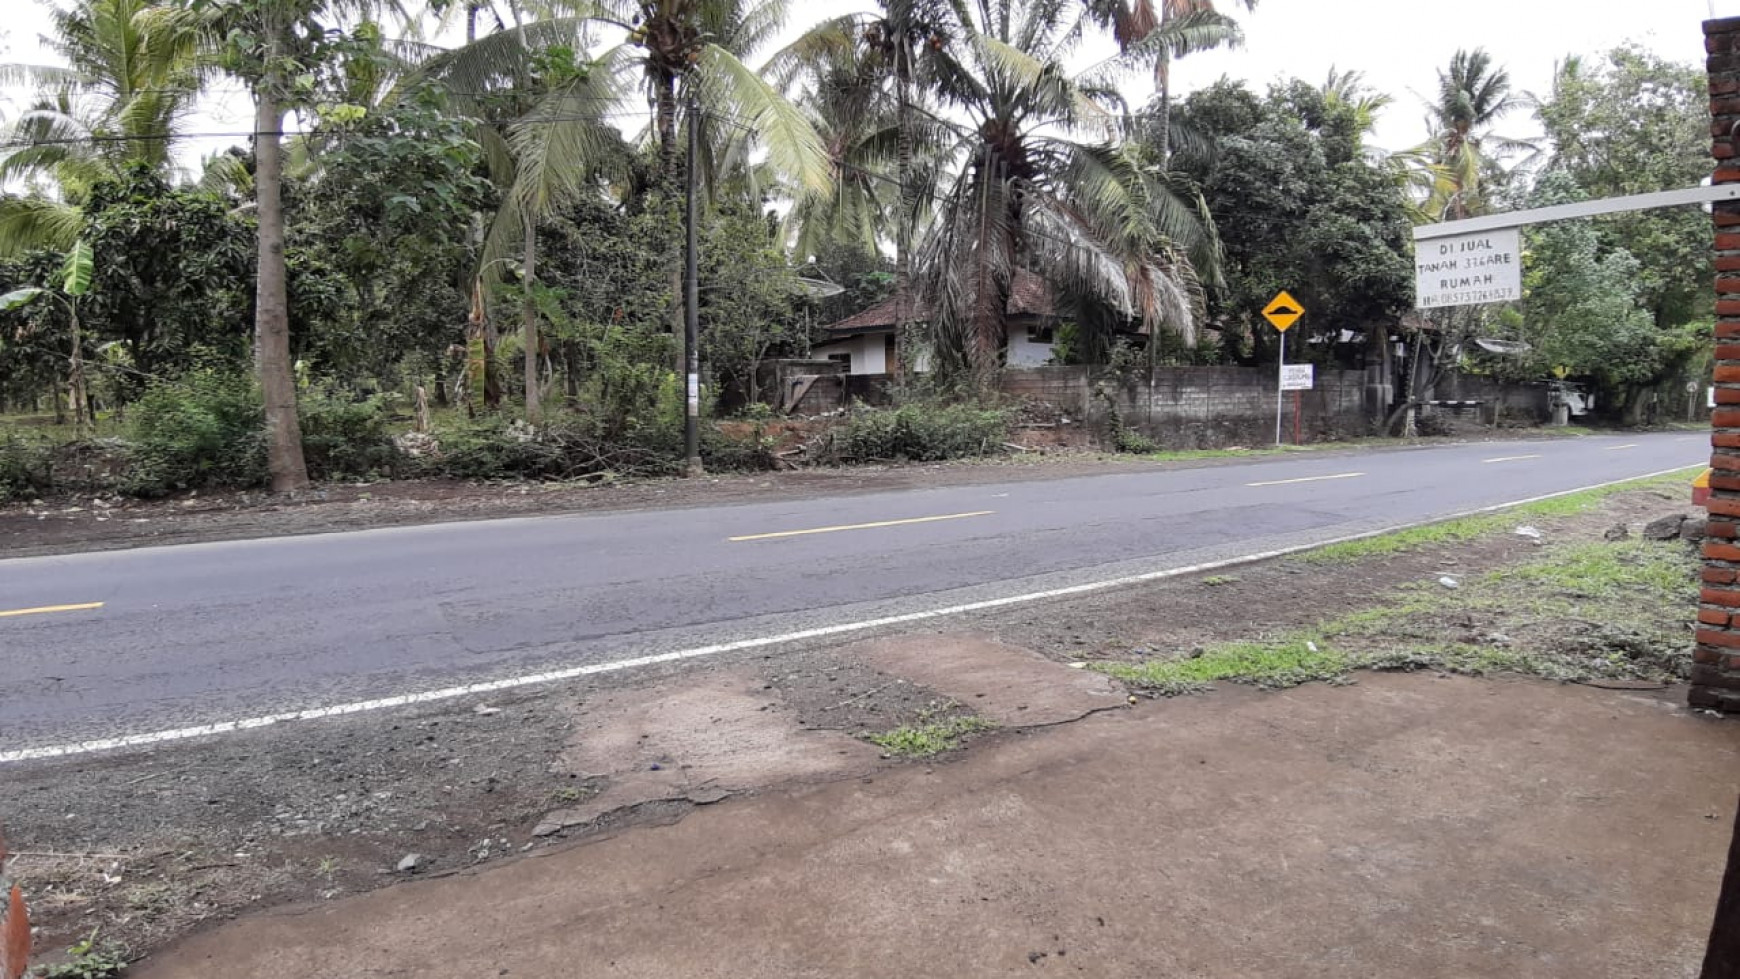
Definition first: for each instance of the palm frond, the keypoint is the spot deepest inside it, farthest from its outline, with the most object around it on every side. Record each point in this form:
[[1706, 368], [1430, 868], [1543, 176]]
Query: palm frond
[[1191, 33], [565, 142], [749, 28], [731, 88], [31, 223], [1050, 94], [227, 175], [817, 51], [493, 62], [42, 77]]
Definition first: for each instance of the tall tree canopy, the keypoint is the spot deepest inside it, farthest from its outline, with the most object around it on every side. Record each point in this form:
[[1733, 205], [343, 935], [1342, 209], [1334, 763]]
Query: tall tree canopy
[[1299, 206]]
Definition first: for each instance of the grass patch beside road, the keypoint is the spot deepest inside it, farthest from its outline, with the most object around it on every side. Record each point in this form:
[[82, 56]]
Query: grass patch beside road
[[1479, 525], [928, 737], [1585, 612], [1282, 663]]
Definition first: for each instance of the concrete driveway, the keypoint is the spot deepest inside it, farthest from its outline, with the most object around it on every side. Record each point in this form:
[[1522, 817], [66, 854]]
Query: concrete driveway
[[1409, 825]]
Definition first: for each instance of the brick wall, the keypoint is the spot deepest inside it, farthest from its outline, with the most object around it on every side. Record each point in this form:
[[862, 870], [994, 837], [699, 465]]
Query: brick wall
[[1716, 659]]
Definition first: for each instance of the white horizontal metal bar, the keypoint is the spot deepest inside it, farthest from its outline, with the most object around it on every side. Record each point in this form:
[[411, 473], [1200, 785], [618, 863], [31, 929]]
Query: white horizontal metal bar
[[1581, 209]]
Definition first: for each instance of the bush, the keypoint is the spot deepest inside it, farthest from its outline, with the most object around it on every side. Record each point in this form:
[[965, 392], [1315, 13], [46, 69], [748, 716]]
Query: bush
[[565, 447], [915, 433], [204, 429], [1127, 439], [491, 447], [26, 467], [343, 437]]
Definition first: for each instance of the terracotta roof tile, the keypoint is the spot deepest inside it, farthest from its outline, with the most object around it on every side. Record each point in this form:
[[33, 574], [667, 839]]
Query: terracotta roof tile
[[1029, 294]]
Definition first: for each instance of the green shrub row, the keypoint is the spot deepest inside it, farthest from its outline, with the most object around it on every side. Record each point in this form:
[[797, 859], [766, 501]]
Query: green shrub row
[[205, 431], [915, 433]]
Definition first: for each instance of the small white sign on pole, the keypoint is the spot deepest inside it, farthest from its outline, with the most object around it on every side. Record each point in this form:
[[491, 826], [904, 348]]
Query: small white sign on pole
[[1298, 377], [1464, 270]]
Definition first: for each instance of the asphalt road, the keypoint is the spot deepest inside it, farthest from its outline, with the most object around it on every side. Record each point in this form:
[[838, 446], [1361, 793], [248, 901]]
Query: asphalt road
[[198, 633]]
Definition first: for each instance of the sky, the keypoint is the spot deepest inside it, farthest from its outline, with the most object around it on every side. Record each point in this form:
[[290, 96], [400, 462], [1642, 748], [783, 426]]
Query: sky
[[1397, 44]]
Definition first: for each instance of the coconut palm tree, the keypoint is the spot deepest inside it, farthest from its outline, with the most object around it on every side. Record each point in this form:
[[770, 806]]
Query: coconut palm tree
[[562, 147], [852, 113], [698, 49], [681, 50], [267, 45], [130, 79], [1473, 96], [1158, 31], [543, 111], [1349, 89], [1043, 181], [865, 78]]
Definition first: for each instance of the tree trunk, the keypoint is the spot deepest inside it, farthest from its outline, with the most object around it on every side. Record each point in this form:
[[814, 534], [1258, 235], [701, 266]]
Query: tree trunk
[[1379, 380], [271, 306], [1163, 93], [903, 311], [529, 327], [76, 379], [1163, 106], [670, 171]]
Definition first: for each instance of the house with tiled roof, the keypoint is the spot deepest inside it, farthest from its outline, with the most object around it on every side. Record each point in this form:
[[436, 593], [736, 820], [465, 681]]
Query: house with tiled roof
[[864, 341]]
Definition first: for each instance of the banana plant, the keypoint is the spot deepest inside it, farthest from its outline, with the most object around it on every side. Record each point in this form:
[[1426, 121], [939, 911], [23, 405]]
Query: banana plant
[[75, 282]]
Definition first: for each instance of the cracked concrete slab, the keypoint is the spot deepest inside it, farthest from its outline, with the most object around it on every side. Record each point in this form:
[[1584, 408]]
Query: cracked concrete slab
[[726, 733], [1010, 685]]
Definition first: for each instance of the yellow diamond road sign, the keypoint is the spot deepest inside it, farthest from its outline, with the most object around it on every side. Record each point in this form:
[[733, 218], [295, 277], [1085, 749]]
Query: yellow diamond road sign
[[1283, 311]]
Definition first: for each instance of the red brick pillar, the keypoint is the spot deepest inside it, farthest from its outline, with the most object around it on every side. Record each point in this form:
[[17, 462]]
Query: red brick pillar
[[1716, 661]]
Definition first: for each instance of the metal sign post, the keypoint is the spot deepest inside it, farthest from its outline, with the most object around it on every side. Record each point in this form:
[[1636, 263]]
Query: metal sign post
[[1280, 380], [1282, 312]]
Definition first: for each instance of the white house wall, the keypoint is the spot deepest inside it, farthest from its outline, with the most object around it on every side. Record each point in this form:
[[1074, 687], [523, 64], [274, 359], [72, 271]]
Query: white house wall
[[1024, 352], [870, 352]]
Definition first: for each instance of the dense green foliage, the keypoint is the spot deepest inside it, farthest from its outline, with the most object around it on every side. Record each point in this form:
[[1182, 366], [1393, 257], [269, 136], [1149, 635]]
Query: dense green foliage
[[478, 242], [1299, 206], [917, 433]]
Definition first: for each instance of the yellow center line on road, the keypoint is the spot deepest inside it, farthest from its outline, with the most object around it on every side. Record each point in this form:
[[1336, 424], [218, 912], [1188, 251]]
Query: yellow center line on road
[[1511, 458], [1305, 479], [1616, 448], [9, 613], [862, 526]]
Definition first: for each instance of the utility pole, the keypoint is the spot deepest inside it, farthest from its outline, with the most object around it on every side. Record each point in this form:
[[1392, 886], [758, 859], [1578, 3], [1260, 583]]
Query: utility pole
[[691, 307]]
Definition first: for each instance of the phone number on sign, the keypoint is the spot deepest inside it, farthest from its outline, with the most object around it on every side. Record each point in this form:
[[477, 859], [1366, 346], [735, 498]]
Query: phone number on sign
[[1464, 298]]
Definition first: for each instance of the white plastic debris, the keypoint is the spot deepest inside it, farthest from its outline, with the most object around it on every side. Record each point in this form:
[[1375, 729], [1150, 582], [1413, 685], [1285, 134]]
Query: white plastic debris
[[1449, 582], [1531, 533]]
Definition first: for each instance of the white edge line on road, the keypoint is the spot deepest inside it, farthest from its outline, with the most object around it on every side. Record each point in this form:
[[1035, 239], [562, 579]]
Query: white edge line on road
[[1511, 458], [615, 666]]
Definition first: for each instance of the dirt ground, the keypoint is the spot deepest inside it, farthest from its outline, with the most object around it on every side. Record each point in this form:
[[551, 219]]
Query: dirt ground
[[152, 845], [1407, 826], [87, 523]]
